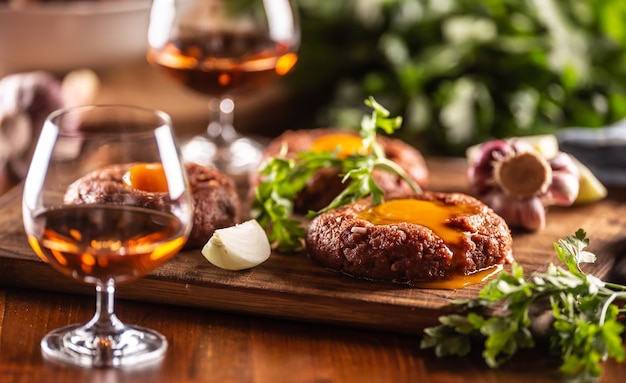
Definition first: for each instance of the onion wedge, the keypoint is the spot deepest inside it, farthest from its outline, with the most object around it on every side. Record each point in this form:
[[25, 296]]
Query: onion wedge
[[238, 247]]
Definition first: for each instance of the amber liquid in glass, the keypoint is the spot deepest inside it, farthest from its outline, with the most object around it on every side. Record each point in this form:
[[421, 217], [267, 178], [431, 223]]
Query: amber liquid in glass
[[102, 242], [219, 63]]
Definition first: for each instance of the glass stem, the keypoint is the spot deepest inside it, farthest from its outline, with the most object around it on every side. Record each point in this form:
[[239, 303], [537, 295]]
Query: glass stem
[[104, 321], [104, 326], [220, 128]]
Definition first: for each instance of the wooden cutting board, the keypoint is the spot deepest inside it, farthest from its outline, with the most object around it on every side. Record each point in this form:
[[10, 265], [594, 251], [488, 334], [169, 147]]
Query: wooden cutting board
[[293, 287]]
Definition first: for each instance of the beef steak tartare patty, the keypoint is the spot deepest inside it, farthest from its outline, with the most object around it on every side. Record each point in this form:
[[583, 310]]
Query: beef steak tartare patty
[[410, 238], [216, 202], [326, 184]]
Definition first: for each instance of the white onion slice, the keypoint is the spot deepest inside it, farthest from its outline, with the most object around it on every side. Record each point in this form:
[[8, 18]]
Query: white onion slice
[[238, 247]]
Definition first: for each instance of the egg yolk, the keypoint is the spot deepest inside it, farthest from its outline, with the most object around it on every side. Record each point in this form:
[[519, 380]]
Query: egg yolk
[[346, 144], [148, 177], [460, 281], [435, 215]]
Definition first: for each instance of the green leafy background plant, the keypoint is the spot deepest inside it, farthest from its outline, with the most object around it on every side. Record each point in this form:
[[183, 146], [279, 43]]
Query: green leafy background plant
[[464, 71]]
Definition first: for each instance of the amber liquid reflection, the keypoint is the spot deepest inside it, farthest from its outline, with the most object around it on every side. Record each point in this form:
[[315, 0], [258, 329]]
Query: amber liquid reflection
[[106, 242], [220, 63]]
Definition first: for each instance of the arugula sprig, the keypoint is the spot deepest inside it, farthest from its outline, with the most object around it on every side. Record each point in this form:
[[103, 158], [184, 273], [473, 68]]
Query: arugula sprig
[[283, 178], [585, 328]]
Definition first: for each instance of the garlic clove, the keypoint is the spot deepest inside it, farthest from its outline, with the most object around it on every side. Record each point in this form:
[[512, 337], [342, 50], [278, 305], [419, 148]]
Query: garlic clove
[[525, 213], [563, 190], [532, 214], [238, 247]]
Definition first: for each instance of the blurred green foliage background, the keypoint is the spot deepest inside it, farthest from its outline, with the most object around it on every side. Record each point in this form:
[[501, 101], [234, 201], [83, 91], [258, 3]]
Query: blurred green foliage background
[[464, 71]]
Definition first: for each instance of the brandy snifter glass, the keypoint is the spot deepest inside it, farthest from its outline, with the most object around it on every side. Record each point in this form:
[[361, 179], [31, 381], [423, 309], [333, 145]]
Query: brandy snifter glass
[[106, 201]]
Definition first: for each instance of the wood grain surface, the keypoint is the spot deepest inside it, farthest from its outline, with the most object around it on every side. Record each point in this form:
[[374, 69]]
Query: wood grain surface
[[293, 287], [207, 346]]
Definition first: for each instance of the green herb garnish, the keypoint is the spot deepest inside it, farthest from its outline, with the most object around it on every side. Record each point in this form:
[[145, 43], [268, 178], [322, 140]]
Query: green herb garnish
[[283, 178], [585, 330]]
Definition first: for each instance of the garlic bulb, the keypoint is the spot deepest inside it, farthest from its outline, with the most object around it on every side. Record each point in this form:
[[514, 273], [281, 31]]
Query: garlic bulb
[[26, 99], [518, 182]]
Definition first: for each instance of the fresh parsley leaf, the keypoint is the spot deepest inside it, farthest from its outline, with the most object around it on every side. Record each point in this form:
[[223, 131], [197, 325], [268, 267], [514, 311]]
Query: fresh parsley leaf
[[571, 251], [283, 178], [275, 196], [585, 331]]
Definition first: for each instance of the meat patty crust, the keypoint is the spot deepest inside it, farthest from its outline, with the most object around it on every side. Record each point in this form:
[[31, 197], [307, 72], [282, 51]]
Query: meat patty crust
[[326, 184], [216, 202], [346, 240]]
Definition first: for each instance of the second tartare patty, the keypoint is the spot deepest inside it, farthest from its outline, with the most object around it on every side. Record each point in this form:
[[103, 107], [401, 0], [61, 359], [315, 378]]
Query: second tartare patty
[[326, 184], [410, 238]]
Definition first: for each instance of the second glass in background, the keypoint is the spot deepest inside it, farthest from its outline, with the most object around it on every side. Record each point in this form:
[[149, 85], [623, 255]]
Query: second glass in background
[[223, 48]]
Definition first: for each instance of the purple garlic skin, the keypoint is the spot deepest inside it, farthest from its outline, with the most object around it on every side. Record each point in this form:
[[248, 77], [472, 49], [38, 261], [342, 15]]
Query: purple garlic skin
[[527, 213], [25, 101], [565, 181], [518, 183]]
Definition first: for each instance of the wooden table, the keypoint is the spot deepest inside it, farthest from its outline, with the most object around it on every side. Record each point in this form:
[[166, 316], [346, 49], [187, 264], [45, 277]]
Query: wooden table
[[208, 344], [221, 341]]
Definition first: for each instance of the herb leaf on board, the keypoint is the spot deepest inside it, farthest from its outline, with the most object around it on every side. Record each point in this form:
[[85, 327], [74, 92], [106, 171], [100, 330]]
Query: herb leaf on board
[[585, 331], [282, 178]]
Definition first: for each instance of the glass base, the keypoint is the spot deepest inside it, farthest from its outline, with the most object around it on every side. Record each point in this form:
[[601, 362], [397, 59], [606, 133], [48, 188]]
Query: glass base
[[129, 346], [240, 157]]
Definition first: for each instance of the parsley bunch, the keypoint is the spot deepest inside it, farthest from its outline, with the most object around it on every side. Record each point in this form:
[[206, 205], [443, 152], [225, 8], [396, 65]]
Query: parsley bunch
[[585, 330], [283, 178]]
